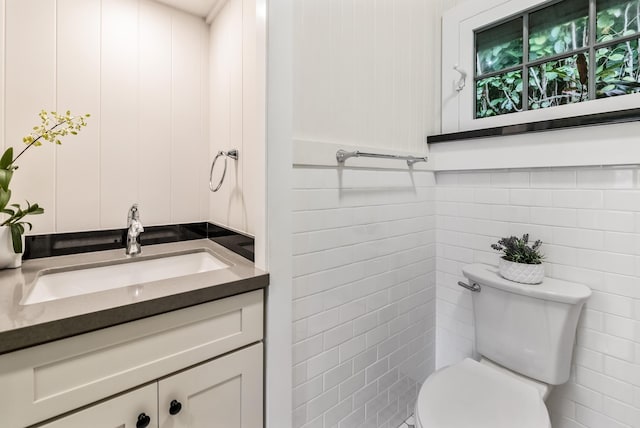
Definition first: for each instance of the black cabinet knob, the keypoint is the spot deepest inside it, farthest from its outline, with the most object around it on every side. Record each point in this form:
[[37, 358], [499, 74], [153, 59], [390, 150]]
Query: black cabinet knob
[[143, 421], [175, 407]]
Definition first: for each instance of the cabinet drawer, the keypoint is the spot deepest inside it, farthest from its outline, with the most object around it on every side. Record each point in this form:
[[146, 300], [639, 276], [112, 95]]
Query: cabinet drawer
[[119, 412], [44, 381]]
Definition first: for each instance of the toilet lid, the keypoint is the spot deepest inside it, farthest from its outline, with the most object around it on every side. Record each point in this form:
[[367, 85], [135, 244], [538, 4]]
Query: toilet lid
[[472, 395]]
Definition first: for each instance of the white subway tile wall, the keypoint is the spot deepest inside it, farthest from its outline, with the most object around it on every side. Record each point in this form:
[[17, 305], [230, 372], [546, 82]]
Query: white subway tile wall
[[364, 295], [588, 219]]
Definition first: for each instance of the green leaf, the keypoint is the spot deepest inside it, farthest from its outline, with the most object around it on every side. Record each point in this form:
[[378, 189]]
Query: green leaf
[[16, 237], [5, 196], [7, 158], [539, 40], [5, 178], [559, 47]]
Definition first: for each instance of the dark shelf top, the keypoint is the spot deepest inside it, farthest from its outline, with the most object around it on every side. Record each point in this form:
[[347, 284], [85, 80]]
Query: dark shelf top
[[607, 118]]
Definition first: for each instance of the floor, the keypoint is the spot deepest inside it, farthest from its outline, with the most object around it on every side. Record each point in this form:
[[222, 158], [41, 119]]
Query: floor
[[409, 423]]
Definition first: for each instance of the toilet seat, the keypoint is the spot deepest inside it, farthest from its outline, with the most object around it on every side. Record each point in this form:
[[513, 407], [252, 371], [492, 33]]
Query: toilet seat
[[472, 395]]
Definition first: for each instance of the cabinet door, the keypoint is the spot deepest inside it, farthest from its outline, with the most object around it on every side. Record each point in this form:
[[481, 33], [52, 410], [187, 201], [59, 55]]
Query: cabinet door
[[223, 393], [129, 410]]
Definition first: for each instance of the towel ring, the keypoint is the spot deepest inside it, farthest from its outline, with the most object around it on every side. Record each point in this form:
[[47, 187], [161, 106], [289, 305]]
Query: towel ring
[[233, 154]]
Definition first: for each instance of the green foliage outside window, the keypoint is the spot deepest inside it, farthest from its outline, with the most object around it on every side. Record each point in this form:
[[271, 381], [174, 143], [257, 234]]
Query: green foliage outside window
[[563, 79], [499, 48], [499, 94], [556, 83], [559, 39], [617, 19], [617, 71]]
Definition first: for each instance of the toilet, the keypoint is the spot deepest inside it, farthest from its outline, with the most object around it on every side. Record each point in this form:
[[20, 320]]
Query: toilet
[[524, 337]]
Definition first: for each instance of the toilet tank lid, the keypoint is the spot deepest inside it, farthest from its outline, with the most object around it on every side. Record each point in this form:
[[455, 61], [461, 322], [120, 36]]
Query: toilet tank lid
[[551, 289]]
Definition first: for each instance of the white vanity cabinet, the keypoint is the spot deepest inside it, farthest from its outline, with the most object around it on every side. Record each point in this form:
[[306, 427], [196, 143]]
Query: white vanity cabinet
[[222, 393], [208, 358]]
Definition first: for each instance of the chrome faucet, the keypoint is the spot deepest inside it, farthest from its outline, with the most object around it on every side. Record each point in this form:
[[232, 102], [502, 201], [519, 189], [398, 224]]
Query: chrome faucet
[[133, 234]]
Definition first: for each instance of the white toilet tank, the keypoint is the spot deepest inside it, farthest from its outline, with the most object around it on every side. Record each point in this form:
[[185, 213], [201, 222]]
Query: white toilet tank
[[529, 329]]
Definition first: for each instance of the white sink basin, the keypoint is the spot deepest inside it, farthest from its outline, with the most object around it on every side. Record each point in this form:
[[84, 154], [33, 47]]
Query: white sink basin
[[58, 285]]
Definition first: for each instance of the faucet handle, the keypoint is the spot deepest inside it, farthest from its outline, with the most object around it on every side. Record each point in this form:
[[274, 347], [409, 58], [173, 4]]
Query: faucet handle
[[133, 213], [134, 226]]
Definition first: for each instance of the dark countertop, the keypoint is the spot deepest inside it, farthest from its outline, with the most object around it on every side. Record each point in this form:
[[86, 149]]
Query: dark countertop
[[22, 326]]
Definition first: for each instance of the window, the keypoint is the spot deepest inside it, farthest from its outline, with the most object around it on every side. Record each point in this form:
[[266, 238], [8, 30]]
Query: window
[[567, 52]]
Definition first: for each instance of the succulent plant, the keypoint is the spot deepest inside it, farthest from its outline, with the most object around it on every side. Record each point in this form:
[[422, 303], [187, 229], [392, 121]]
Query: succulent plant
[[518, 250]]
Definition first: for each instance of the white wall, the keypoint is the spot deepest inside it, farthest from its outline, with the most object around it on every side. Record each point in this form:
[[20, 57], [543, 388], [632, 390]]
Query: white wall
[[367, 73], [237, 100], [140, 69], [363, 294], [278, 214], [589, 220], [365, 76]]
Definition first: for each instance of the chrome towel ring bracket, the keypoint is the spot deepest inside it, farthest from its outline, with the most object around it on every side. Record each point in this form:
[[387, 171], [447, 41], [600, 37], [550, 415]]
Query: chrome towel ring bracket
[[233, 154]]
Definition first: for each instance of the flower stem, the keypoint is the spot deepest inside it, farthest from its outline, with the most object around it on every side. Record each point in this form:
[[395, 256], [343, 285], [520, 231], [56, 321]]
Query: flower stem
[[34, 141]]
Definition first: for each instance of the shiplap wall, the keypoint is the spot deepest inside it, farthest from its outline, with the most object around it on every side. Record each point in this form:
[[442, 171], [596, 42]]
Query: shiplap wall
[[237, 72], [140, 69], [366, 73], [589, 221]]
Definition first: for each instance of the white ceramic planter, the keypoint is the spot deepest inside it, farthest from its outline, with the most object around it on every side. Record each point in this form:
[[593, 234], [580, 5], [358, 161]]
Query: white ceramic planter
[[521, 272], [8, 257]]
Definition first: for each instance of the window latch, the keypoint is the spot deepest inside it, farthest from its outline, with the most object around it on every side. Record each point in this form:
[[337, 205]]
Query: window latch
[[463, 78]]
